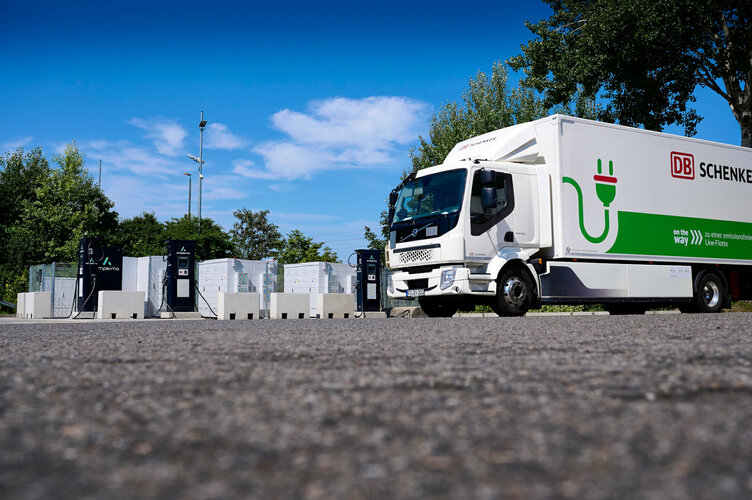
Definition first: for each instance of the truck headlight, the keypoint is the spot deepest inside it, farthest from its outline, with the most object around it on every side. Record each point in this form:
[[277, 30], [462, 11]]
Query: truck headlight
[[447, 278], [391, 284]]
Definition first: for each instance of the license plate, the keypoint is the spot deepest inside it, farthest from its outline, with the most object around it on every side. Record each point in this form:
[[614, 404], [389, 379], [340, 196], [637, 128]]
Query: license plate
[[416, 293]]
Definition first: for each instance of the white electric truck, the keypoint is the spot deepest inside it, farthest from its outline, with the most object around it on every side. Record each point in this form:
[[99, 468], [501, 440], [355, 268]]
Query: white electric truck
[[563, 210]]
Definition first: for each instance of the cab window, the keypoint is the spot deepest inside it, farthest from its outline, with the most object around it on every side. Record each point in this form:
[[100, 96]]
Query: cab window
[[483, 219]]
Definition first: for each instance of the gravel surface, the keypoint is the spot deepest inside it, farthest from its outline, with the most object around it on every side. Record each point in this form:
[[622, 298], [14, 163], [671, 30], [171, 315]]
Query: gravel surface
[[653, 407]]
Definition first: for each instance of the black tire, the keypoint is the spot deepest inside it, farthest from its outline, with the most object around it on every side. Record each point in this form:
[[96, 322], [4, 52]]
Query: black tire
[[437, 307], [622, 308], [711, 293], [515, 293]]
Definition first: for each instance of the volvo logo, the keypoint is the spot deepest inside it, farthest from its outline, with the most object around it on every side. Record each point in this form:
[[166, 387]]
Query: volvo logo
[[414, 233]]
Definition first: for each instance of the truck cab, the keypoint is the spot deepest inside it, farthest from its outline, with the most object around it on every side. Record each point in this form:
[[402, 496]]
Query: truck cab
[[454, 227]]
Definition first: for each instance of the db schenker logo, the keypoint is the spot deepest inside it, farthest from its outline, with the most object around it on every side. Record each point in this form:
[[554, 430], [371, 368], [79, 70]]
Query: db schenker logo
[[682, 165]]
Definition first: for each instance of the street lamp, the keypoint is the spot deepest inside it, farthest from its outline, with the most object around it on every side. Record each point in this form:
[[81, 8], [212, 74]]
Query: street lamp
[[189, 194], [200, 161]]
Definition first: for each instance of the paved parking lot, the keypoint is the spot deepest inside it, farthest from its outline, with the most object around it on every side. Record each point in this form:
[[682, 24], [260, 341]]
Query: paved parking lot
[[571, 407]]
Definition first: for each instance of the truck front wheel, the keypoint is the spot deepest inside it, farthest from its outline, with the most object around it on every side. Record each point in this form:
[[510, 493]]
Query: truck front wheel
[[515, 293], [438, 307]]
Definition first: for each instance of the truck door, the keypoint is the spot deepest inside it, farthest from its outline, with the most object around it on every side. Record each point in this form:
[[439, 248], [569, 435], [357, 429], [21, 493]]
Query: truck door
[[490, 228]]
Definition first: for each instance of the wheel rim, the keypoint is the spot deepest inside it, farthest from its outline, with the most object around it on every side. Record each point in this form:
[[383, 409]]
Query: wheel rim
[[514, 291], [711, 294]]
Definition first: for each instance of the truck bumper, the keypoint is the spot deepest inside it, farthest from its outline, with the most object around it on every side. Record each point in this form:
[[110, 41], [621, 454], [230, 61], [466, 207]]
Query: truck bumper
[[440, 282]]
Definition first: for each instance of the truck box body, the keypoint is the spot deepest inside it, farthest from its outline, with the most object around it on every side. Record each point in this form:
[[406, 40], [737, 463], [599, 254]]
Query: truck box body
[[675, 199]]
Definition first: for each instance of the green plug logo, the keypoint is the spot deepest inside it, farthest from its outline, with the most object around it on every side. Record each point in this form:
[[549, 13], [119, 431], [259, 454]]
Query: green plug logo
[[605, 185], [605, 189]]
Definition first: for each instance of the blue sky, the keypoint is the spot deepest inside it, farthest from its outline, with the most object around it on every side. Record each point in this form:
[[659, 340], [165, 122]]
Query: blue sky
[[311, 107]]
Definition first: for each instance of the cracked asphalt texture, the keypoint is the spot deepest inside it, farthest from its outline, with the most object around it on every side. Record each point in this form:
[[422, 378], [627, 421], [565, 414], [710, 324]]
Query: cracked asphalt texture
[[585, 407]]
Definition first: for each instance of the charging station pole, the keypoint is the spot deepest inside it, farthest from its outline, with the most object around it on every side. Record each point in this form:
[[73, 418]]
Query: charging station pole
[[180, 275], [368, 275], [99, 268]]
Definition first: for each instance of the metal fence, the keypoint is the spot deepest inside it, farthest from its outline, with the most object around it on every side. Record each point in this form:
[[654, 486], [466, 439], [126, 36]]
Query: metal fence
[[58, 278]]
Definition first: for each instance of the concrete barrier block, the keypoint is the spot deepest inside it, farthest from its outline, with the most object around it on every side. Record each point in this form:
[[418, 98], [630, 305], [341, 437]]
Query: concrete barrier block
[[290, 305], [335, 305], [38, 305], [20, 305], [238, 305], [118, 304]]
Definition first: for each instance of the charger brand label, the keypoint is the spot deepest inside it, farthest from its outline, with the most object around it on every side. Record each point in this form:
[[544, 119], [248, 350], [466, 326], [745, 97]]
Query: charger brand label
[[682, 165]]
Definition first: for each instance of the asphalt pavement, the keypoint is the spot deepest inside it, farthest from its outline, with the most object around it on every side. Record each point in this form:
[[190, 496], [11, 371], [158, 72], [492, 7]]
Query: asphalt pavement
[[582, 407]]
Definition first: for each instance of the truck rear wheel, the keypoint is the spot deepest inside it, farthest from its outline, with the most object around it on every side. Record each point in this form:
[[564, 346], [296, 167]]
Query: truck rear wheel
[[438, 307], [515, 293], [711, 293]]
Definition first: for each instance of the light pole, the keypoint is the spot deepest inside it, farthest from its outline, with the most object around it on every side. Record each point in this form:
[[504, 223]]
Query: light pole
[[189, 194], [200, 161]]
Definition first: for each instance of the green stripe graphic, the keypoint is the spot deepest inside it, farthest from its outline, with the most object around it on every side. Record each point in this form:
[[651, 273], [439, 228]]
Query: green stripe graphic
[[649, 234]]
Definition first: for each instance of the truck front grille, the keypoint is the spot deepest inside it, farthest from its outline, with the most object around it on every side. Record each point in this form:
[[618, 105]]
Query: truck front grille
[[412, 256]]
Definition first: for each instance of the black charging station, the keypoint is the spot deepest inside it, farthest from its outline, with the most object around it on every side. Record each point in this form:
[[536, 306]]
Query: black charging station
[[180, 275], [99, 268], [368, 276]]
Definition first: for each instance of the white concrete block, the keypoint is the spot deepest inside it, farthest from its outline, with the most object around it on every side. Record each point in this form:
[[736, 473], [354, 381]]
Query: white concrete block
[[38, 305], [335, 305], [290, 306], [117, 304], [238, 305], [20, 305]]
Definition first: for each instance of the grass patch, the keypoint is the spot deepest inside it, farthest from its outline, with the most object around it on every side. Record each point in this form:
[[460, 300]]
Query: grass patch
[[552, 308], [741, 306]]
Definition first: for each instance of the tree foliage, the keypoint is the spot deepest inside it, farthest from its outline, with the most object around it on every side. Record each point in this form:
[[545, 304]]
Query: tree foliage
[[298, 247], [254, 236], [487, 104], [644, 59], [68, 205], [44, 211], [211, 243], [141, 235]]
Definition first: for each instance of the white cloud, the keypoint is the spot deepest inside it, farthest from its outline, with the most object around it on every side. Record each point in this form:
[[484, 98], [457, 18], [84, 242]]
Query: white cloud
[[370, 123], [167, 135], [244, 169], [218, 136], [14, 144], [124, 156], [339, 133], [223, 187]]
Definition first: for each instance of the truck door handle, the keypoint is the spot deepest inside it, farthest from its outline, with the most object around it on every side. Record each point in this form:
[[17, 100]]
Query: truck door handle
[[509, 237]]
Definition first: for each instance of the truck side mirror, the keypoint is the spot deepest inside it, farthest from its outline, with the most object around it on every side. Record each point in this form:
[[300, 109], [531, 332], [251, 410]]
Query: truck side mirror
[[488, 197], [487, 177], [393, 196], [391, 214]]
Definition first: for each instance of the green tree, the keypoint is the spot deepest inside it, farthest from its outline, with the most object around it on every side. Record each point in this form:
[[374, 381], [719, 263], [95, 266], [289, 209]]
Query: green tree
[[44, 211], [376, 241], [298, 247], [141, 235], [644, 59], [212, 243], [67, 206], [254, 236], [20, 176]]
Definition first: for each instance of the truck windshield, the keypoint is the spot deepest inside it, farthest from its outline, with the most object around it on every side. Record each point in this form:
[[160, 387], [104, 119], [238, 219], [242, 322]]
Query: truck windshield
[[431, 195]]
